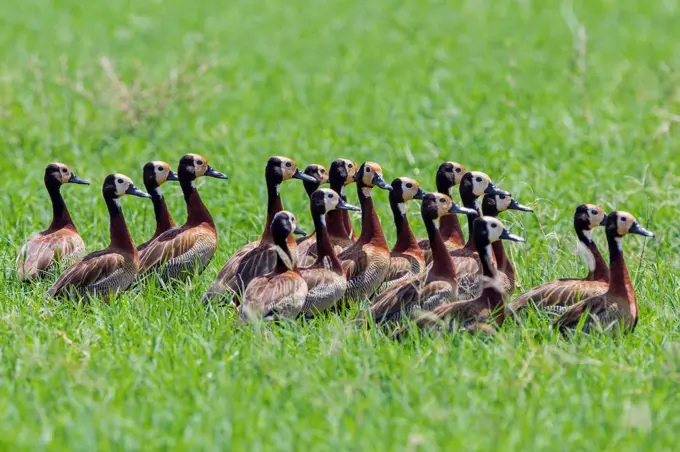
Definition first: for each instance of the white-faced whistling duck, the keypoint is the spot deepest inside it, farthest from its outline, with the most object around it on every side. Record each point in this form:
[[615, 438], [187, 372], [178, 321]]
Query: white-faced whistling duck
[[325, 278], [320, 176], [489, 306], [367, 261], [473, 185], [259, 257], [60, 242], [282, 292], [472, 283], [557, 295], [438, 285], [156, 174], [113, 269], [340, 230], [618, 307], [406, 257], [448, 176], [187, 249]]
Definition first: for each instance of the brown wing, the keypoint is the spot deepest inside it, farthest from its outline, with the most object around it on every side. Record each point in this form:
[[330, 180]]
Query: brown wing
[[172, 244], [280, 295], [354, 261], [401, 298], [572, 316], [559, 293], [402, 265], [92, 269], [42, 250]]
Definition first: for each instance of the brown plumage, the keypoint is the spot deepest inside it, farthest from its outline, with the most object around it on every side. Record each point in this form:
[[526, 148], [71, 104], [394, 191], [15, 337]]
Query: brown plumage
[[60, 242], [257, 258], [304, 244], [487, 308], [423, 291], [566, 292], [282, 292], [449, 174], [156, 174], [618, 307], [182, 251], [325, 278], [367, 261], [104, 273]]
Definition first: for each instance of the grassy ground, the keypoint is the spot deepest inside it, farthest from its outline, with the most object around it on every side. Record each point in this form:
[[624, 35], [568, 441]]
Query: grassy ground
[[562, 103]]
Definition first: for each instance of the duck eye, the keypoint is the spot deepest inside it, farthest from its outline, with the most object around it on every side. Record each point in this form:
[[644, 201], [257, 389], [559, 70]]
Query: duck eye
[[330, 196], [623, 219], [458, 170], [368, 169], [494, 225], [120, 181], [409, 185], [479, 179], [288, 164], [323, 171], [199, 163], [64, 170], [502, 196], [350, 166], [594, 212], [160, 169], [442, 200]]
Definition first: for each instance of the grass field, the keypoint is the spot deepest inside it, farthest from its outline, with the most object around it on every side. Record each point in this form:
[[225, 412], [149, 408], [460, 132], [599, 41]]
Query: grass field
[[561, 103]]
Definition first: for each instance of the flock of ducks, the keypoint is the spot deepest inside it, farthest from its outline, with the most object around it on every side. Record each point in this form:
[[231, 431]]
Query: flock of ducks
[[440, 283]]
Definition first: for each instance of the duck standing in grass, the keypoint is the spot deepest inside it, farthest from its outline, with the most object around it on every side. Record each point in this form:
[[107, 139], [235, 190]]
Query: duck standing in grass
[[60, 242], [113, 269], [618, 307], [259, 257], [156, 174], [282, 292], [367, 261], [559, 294], [187, 249], [325, 278]]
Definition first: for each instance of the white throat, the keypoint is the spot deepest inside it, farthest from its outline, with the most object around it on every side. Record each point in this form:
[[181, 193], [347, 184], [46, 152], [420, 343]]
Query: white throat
[[158, 191], [619, 243], [402, 208], [366, 191], [588, 234], [587, 255]]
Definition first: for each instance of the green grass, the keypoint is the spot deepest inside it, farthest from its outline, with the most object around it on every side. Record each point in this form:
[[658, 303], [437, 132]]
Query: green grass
[[561, 103]]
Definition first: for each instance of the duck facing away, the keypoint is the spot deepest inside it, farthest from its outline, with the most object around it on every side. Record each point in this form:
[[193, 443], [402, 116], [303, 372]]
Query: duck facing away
[[282, 292], [558, 294], [618, 307], [424, 291], [367, 261], [187, 249], [60, 242], [488, 308], [113, 269], [406, 257], [320, 176], [156, 174], [449, 174], [259, 257], [325, 278]]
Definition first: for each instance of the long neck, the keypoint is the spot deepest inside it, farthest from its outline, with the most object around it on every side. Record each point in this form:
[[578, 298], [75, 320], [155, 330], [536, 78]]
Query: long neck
[[405, 238], [281, 265], [442, 264], [619, 279], [470, 202], [197, 213], [160, 209], [324, 246], [335, 218], [597, 267], [491, 293], [503, 261], [119, 233], [371, 231], [449, 226], [346, 221], [274, 206], [60, 215]]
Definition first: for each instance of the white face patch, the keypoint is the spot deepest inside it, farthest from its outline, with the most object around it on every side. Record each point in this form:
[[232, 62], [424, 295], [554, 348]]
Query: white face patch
[[366, 191], [494, 228], [479, 183]]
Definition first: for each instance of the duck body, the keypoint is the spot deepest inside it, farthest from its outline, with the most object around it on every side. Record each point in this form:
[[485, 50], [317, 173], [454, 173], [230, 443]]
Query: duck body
[[60, 242], [258, 258], [155, 174], [367, 262], [618, 306], [113, 269], [559, 294], [281, 293], [182, 251]]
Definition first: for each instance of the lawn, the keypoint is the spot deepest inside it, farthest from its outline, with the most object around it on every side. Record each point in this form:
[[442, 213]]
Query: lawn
[[560, 102]]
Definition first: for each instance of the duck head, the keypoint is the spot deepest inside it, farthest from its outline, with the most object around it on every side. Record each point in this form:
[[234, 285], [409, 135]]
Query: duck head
[[57, 174], [405, 189], [588, 217], [370, 175], [318, 173], [341, 173], [488, 230], [118, 185], [284, 225], [156, 173], [193, 166], [436, 205], [492, 205], [448, 176], [280, 169], [477, 184], [620, 223], [324, 200]]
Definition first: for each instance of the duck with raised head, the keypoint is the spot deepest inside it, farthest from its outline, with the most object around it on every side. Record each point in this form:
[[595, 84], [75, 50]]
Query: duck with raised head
[[449, 174], [320, 176], [60, 242], [282, 292], [557, 295], [492, 206], [426, 290], [406, 257], [473, 185], [185, 250], [259, 257], [113, 269], [618, 307], [157, 173], [489, 307], [367, 261], [325, 278]]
